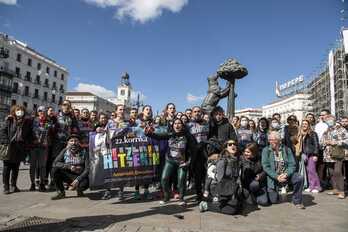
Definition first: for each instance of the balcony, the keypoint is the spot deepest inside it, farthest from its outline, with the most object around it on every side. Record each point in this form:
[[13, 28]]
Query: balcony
[[54, 87], [46, 85], [5, 88], [36, 97], [7, 72], [61, 90], [38, 82], [16, 91], [27, 78], [28, 94]]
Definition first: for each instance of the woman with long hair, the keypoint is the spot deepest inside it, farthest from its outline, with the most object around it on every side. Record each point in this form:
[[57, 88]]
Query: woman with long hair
[[181, 146], [16, 133], [307, 150]]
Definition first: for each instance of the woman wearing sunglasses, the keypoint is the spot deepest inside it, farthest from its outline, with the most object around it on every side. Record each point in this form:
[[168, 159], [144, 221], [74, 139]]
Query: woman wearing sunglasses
[[222, 183]]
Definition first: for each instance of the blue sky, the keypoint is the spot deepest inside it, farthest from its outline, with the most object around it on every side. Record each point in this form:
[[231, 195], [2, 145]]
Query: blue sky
[[170, 47]]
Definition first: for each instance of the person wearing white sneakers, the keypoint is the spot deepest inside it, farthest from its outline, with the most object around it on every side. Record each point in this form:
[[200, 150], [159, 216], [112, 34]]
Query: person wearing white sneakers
[[308, 150]]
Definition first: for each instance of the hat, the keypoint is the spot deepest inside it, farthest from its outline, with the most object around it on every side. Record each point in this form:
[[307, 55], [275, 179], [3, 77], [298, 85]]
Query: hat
[[41, 108], [73, 136]]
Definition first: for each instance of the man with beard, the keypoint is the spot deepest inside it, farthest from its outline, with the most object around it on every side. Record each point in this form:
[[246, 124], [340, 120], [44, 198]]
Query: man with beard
[[200, 130], [85, 126], [67, 124], [71, 166], [219, 127]]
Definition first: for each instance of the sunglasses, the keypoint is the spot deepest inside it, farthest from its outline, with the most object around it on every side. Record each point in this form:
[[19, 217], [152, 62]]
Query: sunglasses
[[230, 144]]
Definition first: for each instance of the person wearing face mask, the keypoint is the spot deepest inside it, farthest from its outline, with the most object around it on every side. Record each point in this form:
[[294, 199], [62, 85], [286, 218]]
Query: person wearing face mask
[[335, 138], [16, 132], [275, 125], [280, 166], [200, 130], [182, 146], [71, 166], [244, 134], [261, 135]]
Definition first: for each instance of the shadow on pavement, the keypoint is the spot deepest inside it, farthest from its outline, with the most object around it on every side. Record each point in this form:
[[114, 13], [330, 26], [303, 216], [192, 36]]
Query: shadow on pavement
[[91, 223]]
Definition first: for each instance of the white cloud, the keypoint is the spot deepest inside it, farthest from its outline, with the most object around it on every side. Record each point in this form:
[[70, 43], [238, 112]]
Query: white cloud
[[140, 10], [8, 2], [192, 98], [95, 89]]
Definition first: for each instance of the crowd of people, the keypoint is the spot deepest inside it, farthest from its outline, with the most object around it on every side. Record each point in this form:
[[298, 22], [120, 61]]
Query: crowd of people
[[227, 163]]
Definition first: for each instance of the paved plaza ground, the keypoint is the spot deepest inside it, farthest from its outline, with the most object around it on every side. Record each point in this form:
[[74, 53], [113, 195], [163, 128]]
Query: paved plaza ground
[[34, 211]]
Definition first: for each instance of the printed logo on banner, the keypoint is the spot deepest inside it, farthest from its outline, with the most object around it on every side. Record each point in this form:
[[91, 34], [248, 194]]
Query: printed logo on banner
[[126, 162]]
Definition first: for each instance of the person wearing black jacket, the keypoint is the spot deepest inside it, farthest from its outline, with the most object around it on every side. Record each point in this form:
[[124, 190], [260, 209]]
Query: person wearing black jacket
[[182, 146], [71, 166], [16, 133], [220, 128], [253, 176]]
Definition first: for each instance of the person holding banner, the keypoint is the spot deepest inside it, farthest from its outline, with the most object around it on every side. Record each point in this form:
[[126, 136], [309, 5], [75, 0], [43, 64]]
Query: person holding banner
[[182, 146], [144, 120], [71, 166], [117, 127]]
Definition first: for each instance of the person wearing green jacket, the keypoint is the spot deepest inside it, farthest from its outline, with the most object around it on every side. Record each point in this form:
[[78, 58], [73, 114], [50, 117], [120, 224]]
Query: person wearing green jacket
[[279, 164]]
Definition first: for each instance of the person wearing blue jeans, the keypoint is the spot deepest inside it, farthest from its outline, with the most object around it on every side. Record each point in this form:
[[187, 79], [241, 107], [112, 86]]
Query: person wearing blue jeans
[[279, 164]]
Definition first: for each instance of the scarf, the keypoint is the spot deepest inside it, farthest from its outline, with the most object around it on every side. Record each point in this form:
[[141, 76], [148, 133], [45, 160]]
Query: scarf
[[300, 138]]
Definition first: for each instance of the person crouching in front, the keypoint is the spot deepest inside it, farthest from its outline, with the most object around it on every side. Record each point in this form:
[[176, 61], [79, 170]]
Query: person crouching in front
[[71, 166]]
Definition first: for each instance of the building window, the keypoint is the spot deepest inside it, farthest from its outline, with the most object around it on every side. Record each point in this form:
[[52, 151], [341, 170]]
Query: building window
[[45, 96], [18, 72], [38, 66], [38, 81], [36, 94], [15, 87], [25, 104], [53, 98], [46, 83], [19, 57], [48, 70], [28, 76], [29, 62], [61, 88], [122, 92], [60, 100], [55, 73], [54, 85], [62, 77], [34, 107], [13, 102], [26, 91]]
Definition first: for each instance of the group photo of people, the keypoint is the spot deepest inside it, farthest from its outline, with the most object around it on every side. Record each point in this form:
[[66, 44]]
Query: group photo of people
[[224, 162]]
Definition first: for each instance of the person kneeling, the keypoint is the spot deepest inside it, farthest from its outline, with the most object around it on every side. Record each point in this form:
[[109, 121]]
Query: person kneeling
[[279, 164], [71, 166]]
